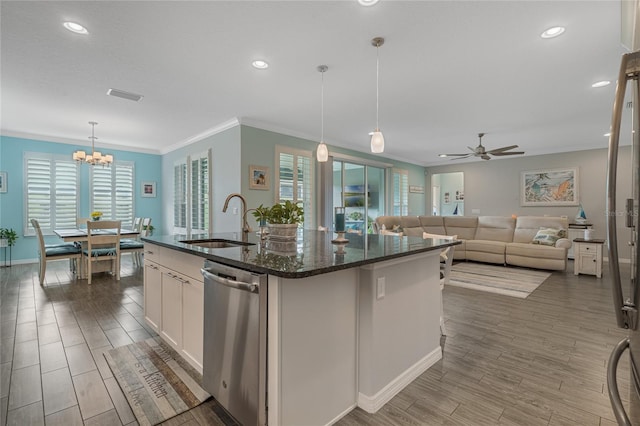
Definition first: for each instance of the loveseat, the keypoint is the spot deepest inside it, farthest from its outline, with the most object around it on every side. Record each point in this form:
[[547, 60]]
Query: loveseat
[[493, 239]]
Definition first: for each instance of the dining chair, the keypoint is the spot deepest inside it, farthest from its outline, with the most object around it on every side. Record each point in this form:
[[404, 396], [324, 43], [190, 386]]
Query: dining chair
[[103, 247], [54, 252], [446, 261], [134, 245]]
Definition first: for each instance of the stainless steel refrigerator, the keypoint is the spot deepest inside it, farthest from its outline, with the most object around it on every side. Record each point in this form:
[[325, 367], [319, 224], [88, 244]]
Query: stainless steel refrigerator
[[625, 283]]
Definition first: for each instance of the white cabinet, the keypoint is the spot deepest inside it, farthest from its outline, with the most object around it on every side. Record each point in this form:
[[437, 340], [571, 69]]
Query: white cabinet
[[193, 321], [576, 231], [171, 329], [174, 300], [153, 295], [588, 257]]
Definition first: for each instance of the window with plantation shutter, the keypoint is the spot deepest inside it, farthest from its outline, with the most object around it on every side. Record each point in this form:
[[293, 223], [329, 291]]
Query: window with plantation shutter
[[51, 195], [199, 192], [295, 180], [400, 192], [112, 191], [180, 197], [192, 194]]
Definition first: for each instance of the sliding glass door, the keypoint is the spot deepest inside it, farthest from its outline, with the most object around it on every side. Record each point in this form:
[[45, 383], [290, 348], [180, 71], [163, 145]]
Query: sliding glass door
[[360, 189]]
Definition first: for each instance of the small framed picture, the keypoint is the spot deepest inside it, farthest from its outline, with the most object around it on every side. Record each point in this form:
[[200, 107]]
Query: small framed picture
[[258, 177], [148, 189], [4, 185]]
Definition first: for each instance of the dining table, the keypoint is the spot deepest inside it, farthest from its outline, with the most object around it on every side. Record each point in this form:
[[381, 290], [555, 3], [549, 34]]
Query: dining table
[[80, 235]]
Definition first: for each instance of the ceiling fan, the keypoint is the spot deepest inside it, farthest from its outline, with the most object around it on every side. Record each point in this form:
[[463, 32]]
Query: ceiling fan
[[481, 152]]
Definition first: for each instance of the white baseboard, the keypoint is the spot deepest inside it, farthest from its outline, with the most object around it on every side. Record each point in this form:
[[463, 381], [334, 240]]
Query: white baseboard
[[341, 415], [371, 404], [19, 261]]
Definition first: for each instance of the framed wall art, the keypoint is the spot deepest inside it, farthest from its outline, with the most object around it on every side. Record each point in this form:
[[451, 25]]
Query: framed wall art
[[148, 189], [4, 184], [556, 187], [259, 177]]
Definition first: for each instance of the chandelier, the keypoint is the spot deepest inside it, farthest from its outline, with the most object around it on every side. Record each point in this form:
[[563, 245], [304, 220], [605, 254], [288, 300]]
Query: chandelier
[[95, 157]]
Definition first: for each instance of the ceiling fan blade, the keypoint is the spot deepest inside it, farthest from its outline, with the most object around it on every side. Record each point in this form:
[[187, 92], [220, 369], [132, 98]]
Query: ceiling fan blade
[[472, 149], [460, 158], [485, 157], [498, 154], [504, 148], [457, 155]]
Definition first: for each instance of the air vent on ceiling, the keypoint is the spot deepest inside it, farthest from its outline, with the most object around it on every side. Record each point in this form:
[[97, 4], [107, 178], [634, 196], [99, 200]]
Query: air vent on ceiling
[[124, 95]]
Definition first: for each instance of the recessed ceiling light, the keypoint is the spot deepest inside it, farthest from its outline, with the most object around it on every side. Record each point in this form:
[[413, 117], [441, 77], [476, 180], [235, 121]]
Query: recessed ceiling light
[[259, 64], [601, 83], [606, 135], [75, 27], [368, 2], [442, 155], [552, 32]]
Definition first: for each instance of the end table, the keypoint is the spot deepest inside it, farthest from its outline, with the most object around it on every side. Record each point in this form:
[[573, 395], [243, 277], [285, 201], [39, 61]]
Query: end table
[[588, 257]]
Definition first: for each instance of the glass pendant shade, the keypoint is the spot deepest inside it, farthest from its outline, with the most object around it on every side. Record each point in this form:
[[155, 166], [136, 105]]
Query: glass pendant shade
[[322, 153], [377, 142]]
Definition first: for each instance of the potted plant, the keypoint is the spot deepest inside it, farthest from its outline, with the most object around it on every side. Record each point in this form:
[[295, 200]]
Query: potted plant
[[284, 219], [261, 213], [149, 228], [8, 237]]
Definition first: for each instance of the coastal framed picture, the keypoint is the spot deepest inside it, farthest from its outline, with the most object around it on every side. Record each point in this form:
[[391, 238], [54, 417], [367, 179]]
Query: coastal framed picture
[[555, 187], [4, 185], [148, 189], [258, 177]]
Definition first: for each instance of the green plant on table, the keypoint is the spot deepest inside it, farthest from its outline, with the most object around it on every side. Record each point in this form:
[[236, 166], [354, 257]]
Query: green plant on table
[[8, 234], [286, 213], [261, 213]]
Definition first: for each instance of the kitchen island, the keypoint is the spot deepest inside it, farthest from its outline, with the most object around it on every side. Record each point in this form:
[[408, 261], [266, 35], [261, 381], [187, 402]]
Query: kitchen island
[[346, 325]]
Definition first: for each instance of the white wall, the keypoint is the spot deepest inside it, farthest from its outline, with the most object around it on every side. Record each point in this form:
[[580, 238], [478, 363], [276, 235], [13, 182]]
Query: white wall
[[493, 187], [226, 172]]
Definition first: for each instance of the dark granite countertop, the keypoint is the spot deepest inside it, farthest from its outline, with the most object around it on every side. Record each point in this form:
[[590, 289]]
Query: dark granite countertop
[[311, 254]]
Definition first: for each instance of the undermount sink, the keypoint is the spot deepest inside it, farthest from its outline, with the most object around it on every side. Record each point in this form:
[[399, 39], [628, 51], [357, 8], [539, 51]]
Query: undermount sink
[[216, 243]]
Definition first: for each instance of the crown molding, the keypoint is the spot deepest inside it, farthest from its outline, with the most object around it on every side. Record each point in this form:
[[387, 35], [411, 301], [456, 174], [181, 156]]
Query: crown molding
[[69, 141], [226, 125]]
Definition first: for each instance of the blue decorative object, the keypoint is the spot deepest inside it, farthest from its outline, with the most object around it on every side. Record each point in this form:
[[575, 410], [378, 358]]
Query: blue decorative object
[[455, 211], [581, 217]]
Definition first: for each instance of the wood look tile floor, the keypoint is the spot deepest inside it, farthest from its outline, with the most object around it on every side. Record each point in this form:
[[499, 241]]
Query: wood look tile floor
[[506, 361]]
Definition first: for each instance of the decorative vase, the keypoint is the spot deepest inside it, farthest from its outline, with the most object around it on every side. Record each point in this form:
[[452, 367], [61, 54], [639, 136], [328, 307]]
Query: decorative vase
[[283, 231], [96, 218]]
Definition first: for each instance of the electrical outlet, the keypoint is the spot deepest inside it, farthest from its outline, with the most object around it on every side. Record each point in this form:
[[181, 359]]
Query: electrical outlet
[[380, 290], [235, 210]]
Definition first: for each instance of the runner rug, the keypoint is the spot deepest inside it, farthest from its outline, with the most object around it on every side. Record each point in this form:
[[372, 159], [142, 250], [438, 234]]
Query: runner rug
[[155, 385], [515, 282]]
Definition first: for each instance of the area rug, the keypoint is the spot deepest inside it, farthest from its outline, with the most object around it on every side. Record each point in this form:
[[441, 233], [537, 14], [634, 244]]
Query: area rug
[[155, 385], [515, 282]]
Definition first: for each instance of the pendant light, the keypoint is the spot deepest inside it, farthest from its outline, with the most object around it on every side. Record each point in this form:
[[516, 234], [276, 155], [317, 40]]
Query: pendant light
[[95, 157], [377, 139], [322, 153]]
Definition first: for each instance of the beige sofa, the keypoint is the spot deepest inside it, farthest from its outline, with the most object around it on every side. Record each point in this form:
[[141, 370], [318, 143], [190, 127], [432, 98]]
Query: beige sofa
[[492, 239]]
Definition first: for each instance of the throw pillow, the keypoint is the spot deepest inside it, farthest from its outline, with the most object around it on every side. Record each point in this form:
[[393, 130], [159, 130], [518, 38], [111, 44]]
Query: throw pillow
[[395, 234], [396, 228], [547, 236]]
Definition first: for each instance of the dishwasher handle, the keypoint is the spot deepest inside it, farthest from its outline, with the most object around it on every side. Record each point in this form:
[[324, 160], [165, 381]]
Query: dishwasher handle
[[239, 285]]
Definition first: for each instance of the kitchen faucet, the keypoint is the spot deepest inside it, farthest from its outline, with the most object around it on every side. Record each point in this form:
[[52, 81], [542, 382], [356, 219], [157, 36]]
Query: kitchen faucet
[[245, 226]]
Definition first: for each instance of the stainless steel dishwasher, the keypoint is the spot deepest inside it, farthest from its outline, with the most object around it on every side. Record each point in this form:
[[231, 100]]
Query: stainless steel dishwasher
[[235, 341]]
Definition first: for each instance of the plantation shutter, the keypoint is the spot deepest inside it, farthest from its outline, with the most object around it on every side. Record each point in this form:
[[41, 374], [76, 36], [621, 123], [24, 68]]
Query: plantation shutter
[[180, 196], [400, 192], [112, 192], [295, 182], [51, 191], [200, 192]]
